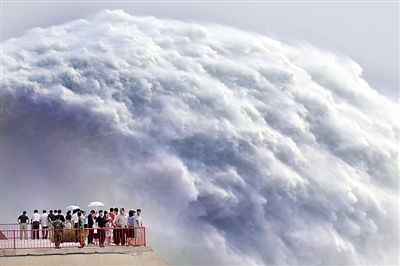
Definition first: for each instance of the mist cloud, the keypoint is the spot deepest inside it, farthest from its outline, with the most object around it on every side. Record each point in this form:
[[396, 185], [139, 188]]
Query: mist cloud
[[239, 149]]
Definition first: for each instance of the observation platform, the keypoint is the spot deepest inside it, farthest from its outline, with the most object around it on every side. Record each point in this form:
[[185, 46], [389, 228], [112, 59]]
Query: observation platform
[[85, 256], [34, 247]]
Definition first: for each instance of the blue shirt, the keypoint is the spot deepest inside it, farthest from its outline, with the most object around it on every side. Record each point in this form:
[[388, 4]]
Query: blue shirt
[[131, 221]]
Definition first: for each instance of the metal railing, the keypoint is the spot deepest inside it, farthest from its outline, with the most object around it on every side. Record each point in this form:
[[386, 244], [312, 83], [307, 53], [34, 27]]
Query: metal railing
[[12, 226], [11, 237]]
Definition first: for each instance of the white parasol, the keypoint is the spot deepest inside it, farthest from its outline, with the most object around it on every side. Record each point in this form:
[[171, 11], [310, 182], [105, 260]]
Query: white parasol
[[72, 207], [96, 204]]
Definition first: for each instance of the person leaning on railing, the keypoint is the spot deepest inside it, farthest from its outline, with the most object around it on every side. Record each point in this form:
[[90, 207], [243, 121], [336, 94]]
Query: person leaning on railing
[[23, 220], [138, 224]]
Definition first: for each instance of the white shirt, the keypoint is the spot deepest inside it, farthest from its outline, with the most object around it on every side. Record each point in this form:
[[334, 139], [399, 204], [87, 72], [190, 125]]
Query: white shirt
[[35, 217], [138, 220], [121, 219], [75, 217], [44, 219]]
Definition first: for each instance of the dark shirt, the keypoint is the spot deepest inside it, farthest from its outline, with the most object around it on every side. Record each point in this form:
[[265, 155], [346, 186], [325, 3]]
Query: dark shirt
[[23, 218], [60, 217], [90, 221], [101, 222], [52, 217]]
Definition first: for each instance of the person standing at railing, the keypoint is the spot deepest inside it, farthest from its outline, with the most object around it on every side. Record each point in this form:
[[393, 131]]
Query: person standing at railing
[[44, 221], [35, 225], [109, 230], [85, 219], [115, 212], [131, 227], [138, 223], [60, 216], [51, 218], [121, 220], [74, 221], [112, 215], [68, 218], [23, 220], [101, 224], [80, 228], [91, 222]]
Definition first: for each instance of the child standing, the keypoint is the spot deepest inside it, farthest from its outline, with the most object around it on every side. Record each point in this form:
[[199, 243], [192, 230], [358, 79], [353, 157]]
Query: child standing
[[109, 231]]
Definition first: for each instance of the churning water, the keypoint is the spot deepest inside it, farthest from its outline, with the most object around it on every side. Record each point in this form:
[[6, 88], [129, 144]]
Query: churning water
[[239, 149]]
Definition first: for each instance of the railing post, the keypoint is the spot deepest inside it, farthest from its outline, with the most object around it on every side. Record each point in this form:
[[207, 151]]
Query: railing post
[[81, 237], [15, 244], [144, 235]]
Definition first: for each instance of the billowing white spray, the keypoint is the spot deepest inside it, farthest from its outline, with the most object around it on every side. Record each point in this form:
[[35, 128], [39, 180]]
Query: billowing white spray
[[239, 149]]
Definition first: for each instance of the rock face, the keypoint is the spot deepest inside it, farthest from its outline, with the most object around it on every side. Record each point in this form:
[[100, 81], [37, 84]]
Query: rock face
[[86, 256]]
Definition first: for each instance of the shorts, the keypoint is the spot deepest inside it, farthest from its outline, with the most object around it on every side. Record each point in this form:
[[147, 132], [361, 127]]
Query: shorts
[[137, 232], [131, 231]]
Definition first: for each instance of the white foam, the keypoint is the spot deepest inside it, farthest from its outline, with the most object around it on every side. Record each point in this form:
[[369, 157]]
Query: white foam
[[239, 149]]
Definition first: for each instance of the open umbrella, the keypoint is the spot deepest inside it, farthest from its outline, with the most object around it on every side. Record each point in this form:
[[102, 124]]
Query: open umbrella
[[72, 207], [96, 204]]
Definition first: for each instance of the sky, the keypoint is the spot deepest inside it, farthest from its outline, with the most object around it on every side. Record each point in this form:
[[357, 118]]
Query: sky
[[367, 32]]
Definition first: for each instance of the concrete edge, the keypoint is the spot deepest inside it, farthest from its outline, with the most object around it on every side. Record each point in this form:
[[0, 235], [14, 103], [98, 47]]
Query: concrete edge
[[65, 251]]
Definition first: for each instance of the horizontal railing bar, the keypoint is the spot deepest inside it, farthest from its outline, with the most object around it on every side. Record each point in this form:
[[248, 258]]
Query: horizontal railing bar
[[72, 237]]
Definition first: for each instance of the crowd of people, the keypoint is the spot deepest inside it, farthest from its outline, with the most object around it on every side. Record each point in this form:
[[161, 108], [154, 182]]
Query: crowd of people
[[103, 228]]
